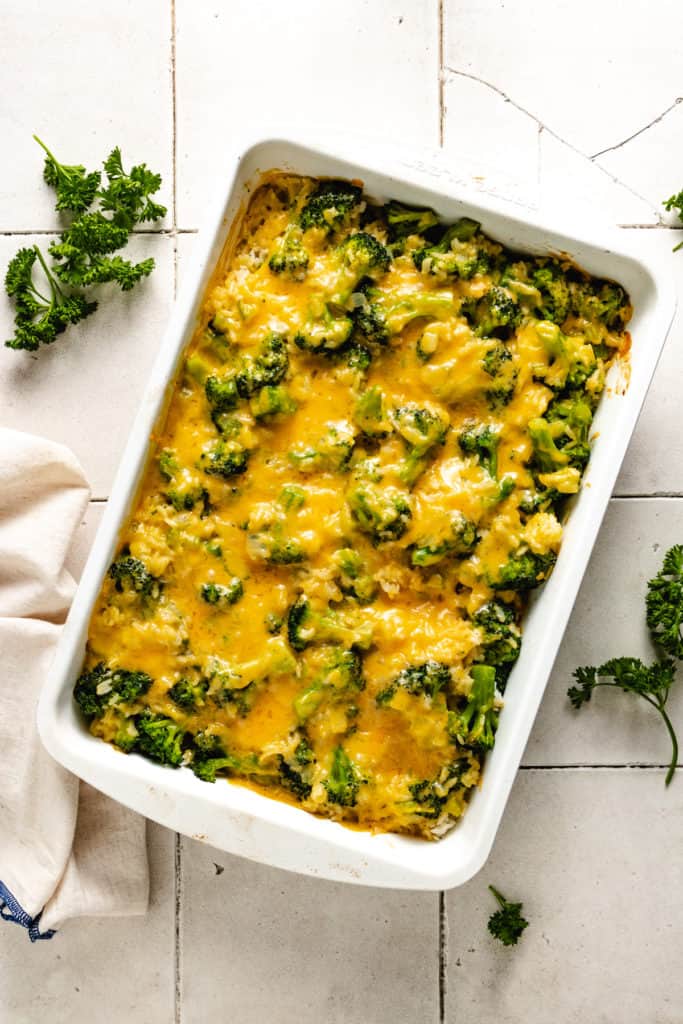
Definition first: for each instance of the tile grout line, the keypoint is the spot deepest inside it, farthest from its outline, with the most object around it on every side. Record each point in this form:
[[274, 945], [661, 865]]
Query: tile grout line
[[170, 232], [442, 108], [177, 950], [178, 849], [443, 956]]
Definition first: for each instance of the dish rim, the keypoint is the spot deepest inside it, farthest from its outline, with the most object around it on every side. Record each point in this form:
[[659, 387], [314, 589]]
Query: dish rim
[[250, 823]]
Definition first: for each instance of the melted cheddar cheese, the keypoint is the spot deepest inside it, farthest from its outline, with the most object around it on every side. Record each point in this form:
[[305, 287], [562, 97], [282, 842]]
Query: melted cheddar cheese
[[360, 475]]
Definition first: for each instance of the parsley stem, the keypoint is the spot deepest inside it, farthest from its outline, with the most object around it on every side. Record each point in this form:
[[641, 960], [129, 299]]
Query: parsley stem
[[674, 746]]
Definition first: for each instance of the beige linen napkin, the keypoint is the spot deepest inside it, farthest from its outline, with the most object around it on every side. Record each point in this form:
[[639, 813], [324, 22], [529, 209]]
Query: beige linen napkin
[[65, 849]]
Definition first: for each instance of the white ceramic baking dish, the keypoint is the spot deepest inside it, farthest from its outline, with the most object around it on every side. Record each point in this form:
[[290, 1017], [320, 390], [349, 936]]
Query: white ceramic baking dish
[[243, 822]]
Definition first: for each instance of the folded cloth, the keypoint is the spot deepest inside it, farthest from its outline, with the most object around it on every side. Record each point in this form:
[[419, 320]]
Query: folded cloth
[[65, 849]]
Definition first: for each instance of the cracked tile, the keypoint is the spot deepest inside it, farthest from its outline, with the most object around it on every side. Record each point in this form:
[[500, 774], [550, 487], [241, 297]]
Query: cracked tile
[[504, 162], [338, 68], [652, 163], [568, 176], [579, 68]]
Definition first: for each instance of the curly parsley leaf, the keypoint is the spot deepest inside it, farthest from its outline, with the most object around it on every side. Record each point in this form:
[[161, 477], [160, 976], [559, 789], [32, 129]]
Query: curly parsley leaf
[[40, 318], [83, 256], [507, 923], [675, 202], [664, 603], [651, 682], [127, 195]]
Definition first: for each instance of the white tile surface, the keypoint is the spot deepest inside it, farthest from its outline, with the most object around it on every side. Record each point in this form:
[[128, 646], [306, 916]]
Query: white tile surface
[[504, 161], [104, 969], [614, 728], [650, 162], [241, 65], [593, 857], [264, 945], [591, 852], [83, 77], [589, 71], [84, 389], [566, 176]]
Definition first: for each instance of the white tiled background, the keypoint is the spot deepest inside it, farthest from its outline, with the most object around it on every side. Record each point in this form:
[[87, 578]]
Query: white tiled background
[[541, 102]]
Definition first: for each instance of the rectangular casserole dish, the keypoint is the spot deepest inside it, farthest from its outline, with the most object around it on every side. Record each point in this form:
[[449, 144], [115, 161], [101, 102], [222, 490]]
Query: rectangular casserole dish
[[239, 820]]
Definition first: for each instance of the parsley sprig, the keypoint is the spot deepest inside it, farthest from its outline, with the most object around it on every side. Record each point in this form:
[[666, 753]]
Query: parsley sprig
[[664, 613], [103, 217], [675, 202], [507, 923]]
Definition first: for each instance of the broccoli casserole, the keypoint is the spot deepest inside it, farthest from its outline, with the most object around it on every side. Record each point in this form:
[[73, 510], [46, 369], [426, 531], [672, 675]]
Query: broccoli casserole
[[361, 475]]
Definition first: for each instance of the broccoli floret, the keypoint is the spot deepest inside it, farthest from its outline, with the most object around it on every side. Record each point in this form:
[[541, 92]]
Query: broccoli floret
[[457, 254], [542, 500], [430, 796], [383, 513], [272, 545], [496, 313], [292, 496], [359, 256], [571, 359], [325, 334], [353, 579], [483, 442], [343, 782], [426, 680], [421, 429], [221, 393], [475, 725], [408, 220], [341, 676], [381, 316], [292, 780], [130, 574], [222, 596], [159, 738], [329, 454], [209, 757], [168, 464], [272, 401], [330, 206], [459, 539], [306, 626], [561, 438], [370, 413], [523, 571], [225, 459], [266, 369], [303, 754], [604, 301], [189, 694], [358, 357], [185, 493], [103, 687], [290, 256], [501, 638], [499, 365], [551, 282]]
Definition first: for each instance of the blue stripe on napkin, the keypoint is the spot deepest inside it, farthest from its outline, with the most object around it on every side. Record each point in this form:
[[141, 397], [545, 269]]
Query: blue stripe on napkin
[[11, 910]]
